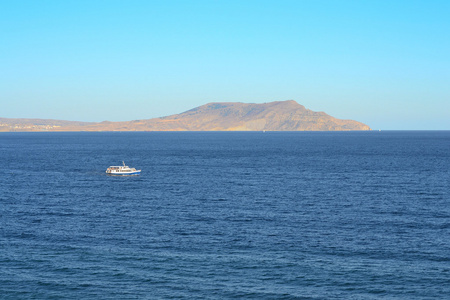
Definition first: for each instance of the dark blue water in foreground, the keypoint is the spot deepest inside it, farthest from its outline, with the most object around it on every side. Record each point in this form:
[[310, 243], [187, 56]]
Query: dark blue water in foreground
[[359, 215]]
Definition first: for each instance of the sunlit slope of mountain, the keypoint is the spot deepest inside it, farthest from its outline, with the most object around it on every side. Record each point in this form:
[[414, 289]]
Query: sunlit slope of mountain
[[233, 116]]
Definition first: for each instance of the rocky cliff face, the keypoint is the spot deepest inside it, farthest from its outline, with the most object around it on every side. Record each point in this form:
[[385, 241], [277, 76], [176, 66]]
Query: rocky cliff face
[[233, 116]]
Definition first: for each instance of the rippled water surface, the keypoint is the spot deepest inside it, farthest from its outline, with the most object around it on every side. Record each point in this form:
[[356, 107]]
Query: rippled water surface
[[296, 215]]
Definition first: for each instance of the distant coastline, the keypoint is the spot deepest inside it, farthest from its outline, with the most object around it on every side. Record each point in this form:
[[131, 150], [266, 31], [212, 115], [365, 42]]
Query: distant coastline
[[223, 116]]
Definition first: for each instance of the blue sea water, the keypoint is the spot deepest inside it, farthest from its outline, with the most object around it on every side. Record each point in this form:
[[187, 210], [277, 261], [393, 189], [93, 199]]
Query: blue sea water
[[226, 215]]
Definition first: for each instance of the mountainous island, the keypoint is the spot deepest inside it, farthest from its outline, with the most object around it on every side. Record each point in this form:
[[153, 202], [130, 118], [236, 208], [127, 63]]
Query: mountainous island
[[220, 116]]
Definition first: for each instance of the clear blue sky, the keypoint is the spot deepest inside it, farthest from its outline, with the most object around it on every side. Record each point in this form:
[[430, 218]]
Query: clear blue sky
[[384, 63]]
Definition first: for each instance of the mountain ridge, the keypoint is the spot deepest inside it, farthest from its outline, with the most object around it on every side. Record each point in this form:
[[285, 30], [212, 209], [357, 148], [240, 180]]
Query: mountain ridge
[[214, 116]]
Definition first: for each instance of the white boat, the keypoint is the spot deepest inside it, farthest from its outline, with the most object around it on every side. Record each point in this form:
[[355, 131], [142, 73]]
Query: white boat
[[122, 170]]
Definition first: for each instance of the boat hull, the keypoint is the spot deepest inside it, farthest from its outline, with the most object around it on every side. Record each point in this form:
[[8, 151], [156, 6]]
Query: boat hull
[[124, 173]]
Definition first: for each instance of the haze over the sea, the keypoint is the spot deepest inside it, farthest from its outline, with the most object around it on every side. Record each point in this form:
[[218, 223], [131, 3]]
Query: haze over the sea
[[384, 63]]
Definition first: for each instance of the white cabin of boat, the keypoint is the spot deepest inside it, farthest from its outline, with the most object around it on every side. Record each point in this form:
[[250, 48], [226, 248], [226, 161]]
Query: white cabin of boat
[[122, 170]]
